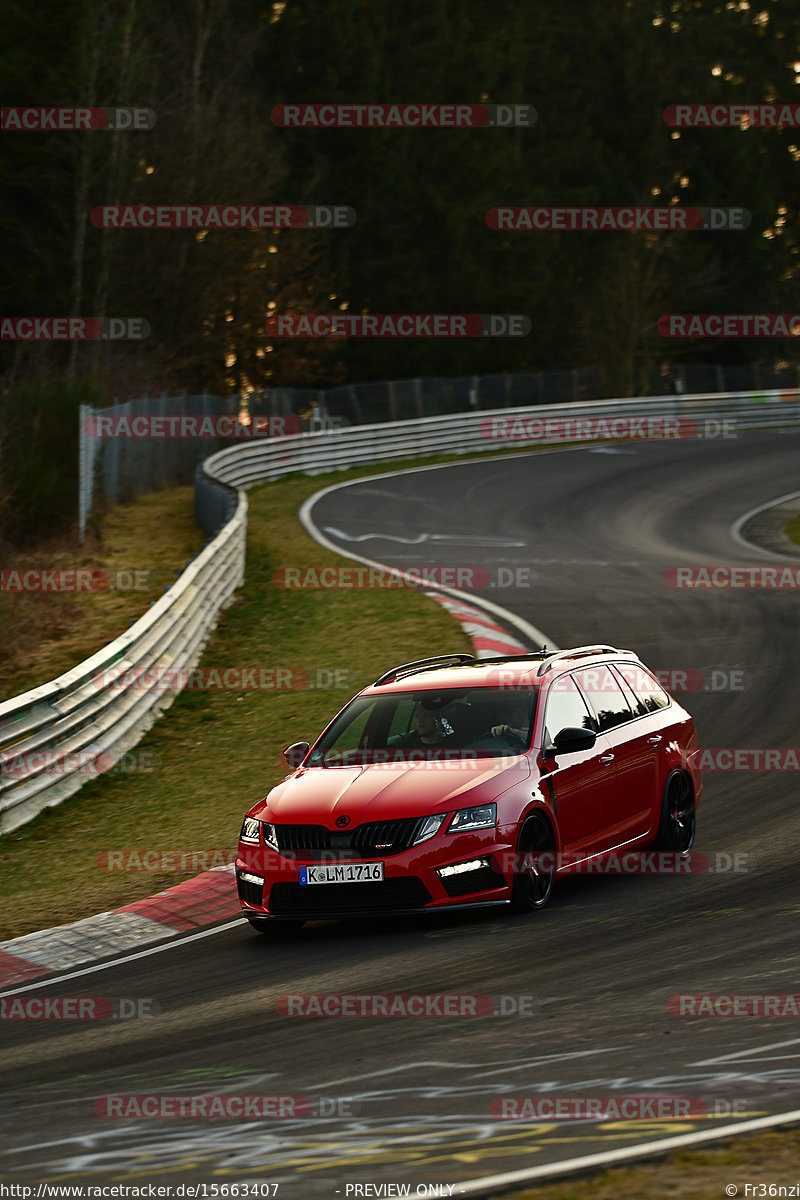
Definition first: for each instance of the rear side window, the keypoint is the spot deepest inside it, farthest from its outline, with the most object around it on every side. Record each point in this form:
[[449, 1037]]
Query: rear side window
[[605, 696], [649, 694]]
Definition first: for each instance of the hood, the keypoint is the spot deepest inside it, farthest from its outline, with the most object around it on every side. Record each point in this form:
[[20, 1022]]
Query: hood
[[385, 792]]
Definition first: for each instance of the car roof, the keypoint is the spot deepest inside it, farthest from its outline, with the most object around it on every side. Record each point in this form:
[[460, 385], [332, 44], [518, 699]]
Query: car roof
[[462, 670]]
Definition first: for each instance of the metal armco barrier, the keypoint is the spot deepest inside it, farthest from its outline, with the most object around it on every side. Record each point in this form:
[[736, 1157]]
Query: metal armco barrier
[[52, 737], [470, 433], [56, 737]]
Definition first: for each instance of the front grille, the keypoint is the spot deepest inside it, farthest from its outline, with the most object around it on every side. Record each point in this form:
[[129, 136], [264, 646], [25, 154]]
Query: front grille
[[250, 892], [481, 880], [381, 838], [302, 837], [386, 837], [327, 899]]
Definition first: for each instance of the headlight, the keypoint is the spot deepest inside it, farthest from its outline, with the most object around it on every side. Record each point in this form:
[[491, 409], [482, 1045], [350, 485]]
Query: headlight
[[483, 816], [429, 827], [270, 835], [251, 831]]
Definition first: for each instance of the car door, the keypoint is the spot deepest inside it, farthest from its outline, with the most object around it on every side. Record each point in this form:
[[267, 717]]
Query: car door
[[580, 785], [652, 721], [635, 761]]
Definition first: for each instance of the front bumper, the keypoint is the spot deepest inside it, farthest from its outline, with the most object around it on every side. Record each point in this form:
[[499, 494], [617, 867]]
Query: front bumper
[[411, 882]]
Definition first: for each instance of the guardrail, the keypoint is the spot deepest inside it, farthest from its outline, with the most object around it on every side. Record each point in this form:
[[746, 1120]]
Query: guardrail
[[57, 736], [470, 433]]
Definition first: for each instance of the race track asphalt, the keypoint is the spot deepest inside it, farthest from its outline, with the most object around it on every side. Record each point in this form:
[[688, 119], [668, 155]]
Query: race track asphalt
[[408, 1100]]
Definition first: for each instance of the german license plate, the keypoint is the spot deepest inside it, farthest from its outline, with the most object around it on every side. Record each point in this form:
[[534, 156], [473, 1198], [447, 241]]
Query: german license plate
[[342, 873]]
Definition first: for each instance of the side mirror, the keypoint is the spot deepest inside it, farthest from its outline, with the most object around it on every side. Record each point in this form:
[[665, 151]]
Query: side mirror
[[295, 753], [572, 739]]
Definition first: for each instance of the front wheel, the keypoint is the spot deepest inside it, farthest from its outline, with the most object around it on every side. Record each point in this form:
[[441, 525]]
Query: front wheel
[[533, 882], [677, 826]]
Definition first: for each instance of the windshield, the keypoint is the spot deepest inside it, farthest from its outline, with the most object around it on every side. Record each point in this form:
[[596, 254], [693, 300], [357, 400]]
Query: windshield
[[453, 723]]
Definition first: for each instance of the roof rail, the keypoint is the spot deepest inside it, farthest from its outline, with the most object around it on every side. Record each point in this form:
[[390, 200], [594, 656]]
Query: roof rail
[[578, 652], [439, 660], [504, 658]]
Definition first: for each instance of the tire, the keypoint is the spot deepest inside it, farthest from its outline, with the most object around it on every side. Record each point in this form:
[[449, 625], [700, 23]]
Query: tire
[[531, 889], [278, 930], [677, 825]]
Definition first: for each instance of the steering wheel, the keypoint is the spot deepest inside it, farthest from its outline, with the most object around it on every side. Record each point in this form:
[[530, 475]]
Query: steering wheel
[[513, 738]]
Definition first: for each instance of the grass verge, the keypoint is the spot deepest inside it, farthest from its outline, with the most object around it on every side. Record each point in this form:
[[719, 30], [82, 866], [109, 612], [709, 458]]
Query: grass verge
[[765, 1158], [143, 546], [792, 530], [217, 751]]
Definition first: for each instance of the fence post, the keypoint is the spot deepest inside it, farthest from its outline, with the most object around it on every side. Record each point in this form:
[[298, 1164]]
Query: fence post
[[85, 471]]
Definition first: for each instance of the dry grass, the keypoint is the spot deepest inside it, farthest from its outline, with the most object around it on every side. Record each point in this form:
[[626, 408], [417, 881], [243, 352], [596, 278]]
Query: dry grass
[[792, 530], [218, 751], [46, 633], [689, 1174]]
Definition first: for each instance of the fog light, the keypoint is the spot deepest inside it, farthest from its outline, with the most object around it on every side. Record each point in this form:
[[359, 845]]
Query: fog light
[[475, 864], [248, 878]]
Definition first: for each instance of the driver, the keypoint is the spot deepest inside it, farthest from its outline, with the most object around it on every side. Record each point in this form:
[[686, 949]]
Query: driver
[[430, 729]]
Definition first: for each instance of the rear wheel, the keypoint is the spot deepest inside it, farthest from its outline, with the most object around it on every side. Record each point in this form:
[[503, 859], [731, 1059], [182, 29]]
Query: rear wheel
[[677, 825], [533, 882]]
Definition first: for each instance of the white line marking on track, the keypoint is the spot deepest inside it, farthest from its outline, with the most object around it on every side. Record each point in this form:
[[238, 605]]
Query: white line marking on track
[[530, 631], [538, 1060], [738, 525], [607, 1158], [456, 539], [116, 962], [738, 1054]]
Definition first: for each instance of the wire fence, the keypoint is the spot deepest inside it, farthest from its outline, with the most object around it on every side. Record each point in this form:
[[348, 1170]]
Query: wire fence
[[132, 447]]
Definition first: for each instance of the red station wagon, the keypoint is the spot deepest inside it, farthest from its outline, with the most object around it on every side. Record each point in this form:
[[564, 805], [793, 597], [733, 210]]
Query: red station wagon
[[453, 782]]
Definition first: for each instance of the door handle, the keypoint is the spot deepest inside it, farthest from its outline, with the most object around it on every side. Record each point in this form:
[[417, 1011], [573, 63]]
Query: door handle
[[605, 759], [654, 740]]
